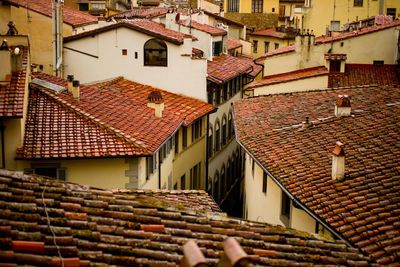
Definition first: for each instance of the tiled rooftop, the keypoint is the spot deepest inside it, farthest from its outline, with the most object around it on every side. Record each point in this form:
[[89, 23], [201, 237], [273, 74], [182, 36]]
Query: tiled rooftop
[[213, 31], [225, 67], [141, 12], [71, 16], [289, 76], [233, 43], [12, 94], [365, 74], [141, 25], [225, 20], [365, 206], [272, 32], [111, 119], [281, 50], [41, 219]]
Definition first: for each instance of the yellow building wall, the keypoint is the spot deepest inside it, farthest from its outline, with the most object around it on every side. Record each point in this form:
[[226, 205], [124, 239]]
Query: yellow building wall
[[272, 41], [300, 220], [245, 6], [321, 13]]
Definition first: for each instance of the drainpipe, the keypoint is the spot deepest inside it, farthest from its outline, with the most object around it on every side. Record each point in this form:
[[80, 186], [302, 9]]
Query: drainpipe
[[381, 4], [3, 159], [207, 152], [159, 169]]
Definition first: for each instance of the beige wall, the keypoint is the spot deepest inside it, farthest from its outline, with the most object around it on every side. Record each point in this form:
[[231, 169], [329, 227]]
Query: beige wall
[[313, 83], [261, 44], [321, 13], [245, 6]]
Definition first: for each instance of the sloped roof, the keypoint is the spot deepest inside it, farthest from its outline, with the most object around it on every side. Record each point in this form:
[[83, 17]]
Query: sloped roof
[[271, 32], [225, 20], [233, 43], [12, 94], [365, 74], [94, 227], [213, 31], [111, 119], [141, 25], [226, 67], [71, 16], [365, 206], [141, 12], [289, 76]]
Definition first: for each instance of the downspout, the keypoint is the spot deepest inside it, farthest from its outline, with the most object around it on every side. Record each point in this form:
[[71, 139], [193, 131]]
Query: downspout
[[296, 202], [207, 151], [3, 159], [262, 65], [381, 4], [159, 168]]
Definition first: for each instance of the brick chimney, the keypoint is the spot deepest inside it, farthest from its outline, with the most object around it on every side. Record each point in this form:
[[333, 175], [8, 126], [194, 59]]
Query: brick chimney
[[70, 79], [343, 106], [156, 101], [338, 162], [76, 91]]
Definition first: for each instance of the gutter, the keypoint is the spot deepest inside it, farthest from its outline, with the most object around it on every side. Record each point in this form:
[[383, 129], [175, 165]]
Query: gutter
[[293, 198]]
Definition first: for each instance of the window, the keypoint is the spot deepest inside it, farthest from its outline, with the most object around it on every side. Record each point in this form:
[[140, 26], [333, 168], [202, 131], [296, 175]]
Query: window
[[218, 96], [177, 142], [233, 5], [216, 187], [335, 25], [175, 186], [52, 170], [184, 137], [266, 47], [307, 3], [358, 2], [155, 53], [264, 185], [252, 167], [276, 45], [230, 125], [224, 130], [217, 137], [223, 182], [195, 176], [255, 46], [217, 48], [151, 163], [196, 130], [124, 52], [334, 66], [285, 208], [183, 182], [210, 142], [225, 92], [83, 6], [391, 12], [98, 6], [257, 6]]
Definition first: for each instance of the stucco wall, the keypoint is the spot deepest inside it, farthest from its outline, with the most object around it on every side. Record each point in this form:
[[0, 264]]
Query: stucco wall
[[254, 20], [272, 41]]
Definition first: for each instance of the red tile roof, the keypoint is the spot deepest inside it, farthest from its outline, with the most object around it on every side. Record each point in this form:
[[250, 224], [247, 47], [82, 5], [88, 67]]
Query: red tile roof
[[94, 227], [213, 31], [281, 50], [233, 43], [71, 16], [141, 12], [364, 207], [289, 76], [141, 25], [12, 94], [226, 67], [272, 32], [111, 119], [365, 74], [223, 19]]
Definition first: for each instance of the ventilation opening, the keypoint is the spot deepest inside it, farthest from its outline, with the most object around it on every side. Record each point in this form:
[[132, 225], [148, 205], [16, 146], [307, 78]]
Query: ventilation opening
[[378, 63]]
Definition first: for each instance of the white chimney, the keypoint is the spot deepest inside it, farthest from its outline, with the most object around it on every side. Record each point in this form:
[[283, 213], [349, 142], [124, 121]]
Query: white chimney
[[70, 79], [343, 106], [76, 90], [156, 101], [338, 162]]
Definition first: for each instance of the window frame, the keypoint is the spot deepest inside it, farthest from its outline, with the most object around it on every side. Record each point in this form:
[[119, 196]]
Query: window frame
[[257, 6], [255, 46], [233, 5], [265, 183], [285, 209], [358, 3], [146, 59]]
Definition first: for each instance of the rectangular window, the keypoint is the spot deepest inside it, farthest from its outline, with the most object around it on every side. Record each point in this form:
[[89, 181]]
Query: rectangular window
[[176, 186], [334, 66], [183, 182], [255, 46], [218, 96], [285, 206], [196, 130], [195, 176], [266, 47], [257, 6], [184, 137], [265, 181], [83, 6], [335, 25], [233, 5], [276, 45], [391, 12], [358, 2], [52, 170], [252, 167], [307, 3], [217, 48], [124, 52], [151, 163], [176, 142]]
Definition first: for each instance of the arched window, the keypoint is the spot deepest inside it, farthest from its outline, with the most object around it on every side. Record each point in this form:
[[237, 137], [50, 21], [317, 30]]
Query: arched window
[[210, 142], [217, 136], [223, 137], [216, 187], [223, 188], [155, 53], [230, 125]]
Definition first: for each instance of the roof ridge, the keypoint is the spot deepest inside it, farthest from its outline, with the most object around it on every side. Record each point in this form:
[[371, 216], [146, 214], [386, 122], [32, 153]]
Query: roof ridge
[[103, 83], [93, 119]]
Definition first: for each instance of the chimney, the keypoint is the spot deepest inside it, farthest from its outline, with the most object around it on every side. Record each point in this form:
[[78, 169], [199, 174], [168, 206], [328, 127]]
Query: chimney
[[306, 124], [192, 256], [70, 79], [233, 254], [343, 106], [76, 90], [156, 101], [338, 162]]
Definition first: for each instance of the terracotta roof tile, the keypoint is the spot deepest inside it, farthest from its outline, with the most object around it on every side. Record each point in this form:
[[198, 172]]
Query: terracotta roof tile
[[364, 206], [289, 76], [233, 43], [111, 119], [365, 74], [271, 32], [213, 31], [225, 67], [141, 12], [112, 233], [142, 25], [71, 16], [225, 20], [281, 50], [12, 94]]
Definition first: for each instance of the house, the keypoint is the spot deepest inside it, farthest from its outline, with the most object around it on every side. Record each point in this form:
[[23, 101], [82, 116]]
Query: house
[[34, 18], [14, 78], [226, 77], [143, 136], [157, 52], [52, 223], [335, 15], [325, 162]]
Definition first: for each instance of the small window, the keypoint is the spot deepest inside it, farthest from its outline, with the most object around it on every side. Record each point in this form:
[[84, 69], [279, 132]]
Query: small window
[[177, 142], [184, 137], [255, 46], [266, 47], [265, 181], [378, 63], [233, 5], [83, 6], [252, 167], [217, 136], [136, 55], [195, 176], [276, 45], [334, 66], [358, 2], [257, 6], [151, 163], [285, 206], [210, 142], [224, 133], [155, 53], [335, 25], [49, 170], [196, 130], [124, 52], [217, 48], [183, 182], [391, 12]]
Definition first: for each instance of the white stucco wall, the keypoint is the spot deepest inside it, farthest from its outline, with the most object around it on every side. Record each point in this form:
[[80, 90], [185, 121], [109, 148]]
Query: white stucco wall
[[182, 75]]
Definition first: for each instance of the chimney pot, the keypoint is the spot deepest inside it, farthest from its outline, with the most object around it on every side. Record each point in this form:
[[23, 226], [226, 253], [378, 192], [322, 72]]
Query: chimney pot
[[70, 79], [306, 123], [156, 101], [338, 162], [343, 106], [75, 89]]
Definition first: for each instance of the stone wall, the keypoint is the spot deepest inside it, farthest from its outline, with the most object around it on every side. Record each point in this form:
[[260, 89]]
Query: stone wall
[[258, 21]]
